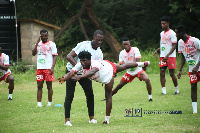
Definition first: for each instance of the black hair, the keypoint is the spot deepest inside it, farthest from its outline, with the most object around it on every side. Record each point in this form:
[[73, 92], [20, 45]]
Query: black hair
[[165, 18], [98, 32], [181, 28], [84, 55], [125, 39], [43, 31]]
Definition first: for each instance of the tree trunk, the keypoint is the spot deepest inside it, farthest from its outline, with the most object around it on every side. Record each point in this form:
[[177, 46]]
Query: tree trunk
[[108, 37]]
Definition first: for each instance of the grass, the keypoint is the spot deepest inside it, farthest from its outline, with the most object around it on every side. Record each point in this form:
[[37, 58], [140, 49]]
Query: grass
[[21, 115]]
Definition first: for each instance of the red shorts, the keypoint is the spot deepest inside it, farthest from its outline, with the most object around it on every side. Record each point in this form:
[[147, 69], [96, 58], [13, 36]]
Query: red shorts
[[129, 78], [5, 76], [44, 74], [113, 65], [170, 63], [194, 77]]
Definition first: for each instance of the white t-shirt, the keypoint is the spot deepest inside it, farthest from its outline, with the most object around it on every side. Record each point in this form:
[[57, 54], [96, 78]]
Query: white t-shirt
[[166, 40], [45, 52], [130, 57], [85, 46], [191, 51], [4, 60], [105, 73]]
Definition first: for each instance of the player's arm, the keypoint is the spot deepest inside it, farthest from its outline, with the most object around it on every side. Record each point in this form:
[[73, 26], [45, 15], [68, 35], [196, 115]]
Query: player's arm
[[86, 75], [67, 76], [4, 67], [54, 63], [156, 52], [196, 68], [70, 57], [170, 52], [34, 50], [181, 66]]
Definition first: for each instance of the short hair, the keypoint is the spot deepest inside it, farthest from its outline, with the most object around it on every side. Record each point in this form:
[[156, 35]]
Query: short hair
[[165, 18], [43, 31], [125, 39], [181, 28], [84, 55], [98, 32]]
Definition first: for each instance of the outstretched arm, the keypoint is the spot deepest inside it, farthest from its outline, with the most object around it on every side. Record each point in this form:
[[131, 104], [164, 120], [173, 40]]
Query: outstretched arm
[[156, 51], [86, 75], [4, 67], [66, 77]]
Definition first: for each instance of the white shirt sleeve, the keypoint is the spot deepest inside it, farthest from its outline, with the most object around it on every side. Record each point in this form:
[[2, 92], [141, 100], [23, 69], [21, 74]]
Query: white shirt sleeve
[[137, 53], [77, 67], [54, 49], [173, 37], [197, 44], [120, 56], [6, 61]]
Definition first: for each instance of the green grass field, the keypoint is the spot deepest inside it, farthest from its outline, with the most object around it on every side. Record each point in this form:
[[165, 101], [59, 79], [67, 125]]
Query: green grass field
[[21, 115]]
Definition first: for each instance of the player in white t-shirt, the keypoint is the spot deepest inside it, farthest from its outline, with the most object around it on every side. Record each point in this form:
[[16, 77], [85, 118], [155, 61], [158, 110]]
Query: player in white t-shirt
[[190, 49], [5, 73], [168, 43], [94, 48], [46, 59], [100, 71], [132, 54]]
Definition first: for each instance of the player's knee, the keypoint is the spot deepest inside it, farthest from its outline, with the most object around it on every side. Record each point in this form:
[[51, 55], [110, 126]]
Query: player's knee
[[147, 81], [40, 86]]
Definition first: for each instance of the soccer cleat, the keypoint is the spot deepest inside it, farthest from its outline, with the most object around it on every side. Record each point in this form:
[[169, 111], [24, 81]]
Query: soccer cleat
[[68, 123], [193, 113], [93, 121], [9, 99], [105, 122], [39, 105], [164, 91], [49, 105], [176, 93], [146, 63], [103, 99], [150, 99]]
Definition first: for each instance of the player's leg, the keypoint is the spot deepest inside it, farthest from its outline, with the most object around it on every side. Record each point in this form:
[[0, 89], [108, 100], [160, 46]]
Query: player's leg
[[162, 79], [10, 80], [174, 79], [87, 87], [70, 89], [39, 93], [194, 96], [143, 76], [50, 92], [108, 94], [120, 68], [118, 87]]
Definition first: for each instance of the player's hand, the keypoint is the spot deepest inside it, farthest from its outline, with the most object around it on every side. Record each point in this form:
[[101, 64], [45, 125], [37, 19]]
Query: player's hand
[[155, 53], [76, 77], [115, 75], [51, 71], [61, 80], [194, 70], [165, 59], [144, 68], [179, 75]]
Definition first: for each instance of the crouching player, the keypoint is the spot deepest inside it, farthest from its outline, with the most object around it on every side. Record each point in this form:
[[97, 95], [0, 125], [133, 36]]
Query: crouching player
[[100, 71], [5, 73]]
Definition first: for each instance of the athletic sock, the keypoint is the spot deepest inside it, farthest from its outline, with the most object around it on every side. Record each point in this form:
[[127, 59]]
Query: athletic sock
[[39, 104], [140, 64], [10, 95], [150, 96], [176, 89], [164, 90], [49, 103], [194, 106], [107, 118]]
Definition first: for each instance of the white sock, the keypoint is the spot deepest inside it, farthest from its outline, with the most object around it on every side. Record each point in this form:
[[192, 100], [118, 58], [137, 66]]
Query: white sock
[[40, 103], [176, 89], [10, 95], [150, 96], [49, 103], [140, 64], [107, 118], [164, 90], [194, 106]]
